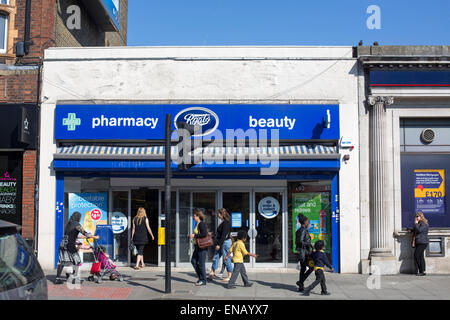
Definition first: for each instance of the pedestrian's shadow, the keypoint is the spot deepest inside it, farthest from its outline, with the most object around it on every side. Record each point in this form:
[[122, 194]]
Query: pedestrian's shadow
[[136, 284], [280, 286], [51, 278], [130, 282]]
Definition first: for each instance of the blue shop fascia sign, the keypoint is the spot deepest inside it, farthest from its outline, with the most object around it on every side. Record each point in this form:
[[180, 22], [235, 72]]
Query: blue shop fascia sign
[[112, 7], [146, 122]]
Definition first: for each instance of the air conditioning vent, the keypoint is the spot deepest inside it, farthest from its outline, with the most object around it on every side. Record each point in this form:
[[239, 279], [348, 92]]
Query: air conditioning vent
[[428, 135]]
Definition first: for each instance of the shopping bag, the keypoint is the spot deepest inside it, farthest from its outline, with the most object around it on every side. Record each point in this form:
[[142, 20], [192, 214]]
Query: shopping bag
[[96, 267], [133, 249]]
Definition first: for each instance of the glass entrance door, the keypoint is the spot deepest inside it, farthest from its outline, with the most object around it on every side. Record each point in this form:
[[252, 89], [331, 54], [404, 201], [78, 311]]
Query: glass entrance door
[[188, 201], [147, 199], [268, 217], [237, 205], [261, 215], [120, 210]]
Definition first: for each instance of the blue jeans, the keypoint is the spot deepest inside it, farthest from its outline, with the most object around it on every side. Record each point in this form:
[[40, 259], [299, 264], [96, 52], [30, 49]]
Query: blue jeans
[[222, 252]]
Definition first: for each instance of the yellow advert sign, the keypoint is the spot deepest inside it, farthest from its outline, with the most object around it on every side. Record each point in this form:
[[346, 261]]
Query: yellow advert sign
[[429, 190]]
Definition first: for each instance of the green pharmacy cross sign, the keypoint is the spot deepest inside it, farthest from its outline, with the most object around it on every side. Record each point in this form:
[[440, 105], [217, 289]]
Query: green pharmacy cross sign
[[71, 121]]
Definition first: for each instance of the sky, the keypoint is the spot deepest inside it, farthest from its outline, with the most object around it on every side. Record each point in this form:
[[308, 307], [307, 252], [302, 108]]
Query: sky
[[287, 22]]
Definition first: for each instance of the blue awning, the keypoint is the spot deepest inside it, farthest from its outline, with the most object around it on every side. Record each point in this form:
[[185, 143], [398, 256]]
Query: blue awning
[[215, 159], [293, 152]]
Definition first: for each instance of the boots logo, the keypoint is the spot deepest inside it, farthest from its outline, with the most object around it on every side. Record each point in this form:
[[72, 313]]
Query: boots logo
[[198, 116]]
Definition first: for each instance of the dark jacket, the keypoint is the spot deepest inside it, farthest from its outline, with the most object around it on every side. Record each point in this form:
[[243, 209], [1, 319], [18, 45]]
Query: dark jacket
[[320, 259], [223, 233], [421, 233], [72, 231], [202, 232], [303, 243]]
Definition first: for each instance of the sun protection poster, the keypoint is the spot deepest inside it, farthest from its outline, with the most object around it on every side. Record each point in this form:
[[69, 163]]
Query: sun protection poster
[[429, 190], [93, 208], [316, 207]]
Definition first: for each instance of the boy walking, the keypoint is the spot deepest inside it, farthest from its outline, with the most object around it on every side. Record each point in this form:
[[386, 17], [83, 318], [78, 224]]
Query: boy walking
[[239, 252], [320, 261]]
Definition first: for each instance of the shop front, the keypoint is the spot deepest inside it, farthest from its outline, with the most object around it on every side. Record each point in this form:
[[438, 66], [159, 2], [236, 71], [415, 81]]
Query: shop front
[[18, 124], [265, 164]]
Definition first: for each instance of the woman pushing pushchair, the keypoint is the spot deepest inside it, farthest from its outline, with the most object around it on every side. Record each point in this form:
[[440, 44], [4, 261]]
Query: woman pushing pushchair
[[68, 251]]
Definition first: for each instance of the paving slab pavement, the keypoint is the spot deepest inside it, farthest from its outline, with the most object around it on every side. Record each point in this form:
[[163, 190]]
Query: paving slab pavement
[[149, 284]]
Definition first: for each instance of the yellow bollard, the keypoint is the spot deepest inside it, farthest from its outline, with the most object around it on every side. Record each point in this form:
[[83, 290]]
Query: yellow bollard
[[161, 236]]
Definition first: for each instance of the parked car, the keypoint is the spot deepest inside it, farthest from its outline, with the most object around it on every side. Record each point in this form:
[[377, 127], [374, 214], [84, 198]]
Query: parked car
[[21, 276]]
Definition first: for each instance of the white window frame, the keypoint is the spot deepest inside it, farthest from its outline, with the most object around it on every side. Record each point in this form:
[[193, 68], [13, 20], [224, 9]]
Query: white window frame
[[5, 49]]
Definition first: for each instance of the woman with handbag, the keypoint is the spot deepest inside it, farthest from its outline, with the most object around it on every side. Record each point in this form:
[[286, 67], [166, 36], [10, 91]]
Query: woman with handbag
[[223, 244], [198, 259], [420, 241], [68, 251], [139, 235], [304, 248]]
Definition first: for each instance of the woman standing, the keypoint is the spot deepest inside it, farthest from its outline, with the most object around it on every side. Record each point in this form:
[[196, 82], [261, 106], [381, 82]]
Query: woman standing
[[139, 235], [304, 248], [420, 241], [223, 244], [199, 256], [68, 252]]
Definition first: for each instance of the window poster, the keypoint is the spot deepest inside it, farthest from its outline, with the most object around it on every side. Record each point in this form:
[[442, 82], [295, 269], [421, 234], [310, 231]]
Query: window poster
[[236, 219], [10, 203], [11, 187], [93, 208], [316, 207], [429, 190]]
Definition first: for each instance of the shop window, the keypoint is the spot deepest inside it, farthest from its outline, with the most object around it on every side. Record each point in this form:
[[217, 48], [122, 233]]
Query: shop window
[[11, 187], [89, 196], [419, 195], [425, 166], [313, 200]]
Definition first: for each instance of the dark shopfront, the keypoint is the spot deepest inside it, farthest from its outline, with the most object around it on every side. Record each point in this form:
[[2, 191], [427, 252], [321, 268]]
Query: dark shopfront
[[17, 140], [129, 175]]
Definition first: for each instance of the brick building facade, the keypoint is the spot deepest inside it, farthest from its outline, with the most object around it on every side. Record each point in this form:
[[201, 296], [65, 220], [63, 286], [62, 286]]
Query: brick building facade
[[20, 77]]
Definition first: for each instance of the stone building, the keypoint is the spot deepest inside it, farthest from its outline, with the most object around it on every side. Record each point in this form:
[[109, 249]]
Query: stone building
[[404, 131]]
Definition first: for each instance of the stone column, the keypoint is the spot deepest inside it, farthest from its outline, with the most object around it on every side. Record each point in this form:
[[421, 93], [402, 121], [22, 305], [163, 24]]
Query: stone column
[[381, 229]]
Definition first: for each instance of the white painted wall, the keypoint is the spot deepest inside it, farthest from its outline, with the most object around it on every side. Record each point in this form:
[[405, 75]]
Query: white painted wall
[[154, 75]]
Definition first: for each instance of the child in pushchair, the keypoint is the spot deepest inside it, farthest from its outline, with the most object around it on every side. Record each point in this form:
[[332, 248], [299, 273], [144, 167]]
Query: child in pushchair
[[103, 266]]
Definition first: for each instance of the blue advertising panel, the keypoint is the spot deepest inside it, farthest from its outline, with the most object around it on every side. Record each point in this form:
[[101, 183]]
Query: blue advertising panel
[[220, 122], [113, 9], [236, 219], [93, 208]]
